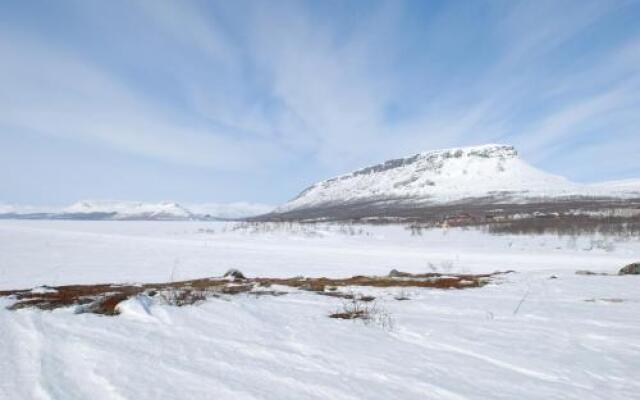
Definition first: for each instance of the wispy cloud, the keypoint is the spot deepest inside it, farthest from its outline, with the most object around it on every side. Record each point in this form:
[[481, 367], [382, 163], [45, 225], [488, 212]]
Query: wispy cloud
[[237, 86], [56, 93]]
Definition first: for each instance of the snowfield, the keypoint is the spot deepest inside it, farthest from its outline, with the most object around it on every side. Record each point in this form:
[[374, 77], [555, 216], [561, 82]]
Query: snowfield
[[526, 335]]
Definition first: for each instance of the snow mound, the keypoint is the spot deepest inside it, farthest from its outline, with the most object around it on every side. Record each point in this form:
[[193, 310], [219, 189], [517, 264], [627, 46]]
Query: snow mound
[[138, 307]]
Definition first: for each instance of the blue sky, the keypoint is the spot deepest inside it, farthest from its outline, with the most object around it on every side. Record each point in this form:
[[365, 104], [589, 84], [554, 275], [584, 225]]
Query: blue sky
[[204, 101]]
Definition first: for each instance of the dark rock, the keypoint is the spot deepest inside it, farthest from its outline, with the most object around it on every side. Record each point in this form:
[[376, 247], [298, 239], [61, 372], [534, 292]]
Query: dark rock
[[631, 269], [234, 273], [398, 274]]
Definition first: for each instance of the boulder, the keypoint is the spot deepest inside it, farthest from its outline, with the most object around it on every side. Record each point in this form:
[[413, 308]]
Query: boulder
[[631, 269], [394, 273], [234, 273]]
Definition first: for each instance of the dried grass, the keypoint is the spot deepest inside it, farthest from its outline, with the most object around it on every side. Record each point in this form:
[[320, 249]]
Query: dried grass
[[103, 298]]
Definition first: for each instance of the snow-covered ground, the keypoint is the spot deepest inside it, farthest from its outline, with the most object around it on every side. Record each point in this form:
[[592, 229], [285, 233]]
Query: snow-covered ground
[[63, 252], [525, 336]]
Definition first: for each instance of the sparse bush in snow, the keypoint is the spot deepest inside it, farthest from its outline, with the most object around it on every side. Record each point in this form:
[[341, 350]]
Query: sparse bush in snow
[[571, 225], [402, 295], [368, 312], [182, 297], [446, 265], [308, 229], [601, 244]]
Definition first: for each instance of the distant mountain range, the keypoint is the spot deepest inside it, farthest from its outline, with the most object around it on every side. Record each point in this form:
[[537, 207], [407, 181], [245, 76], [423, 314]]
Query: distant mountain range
[[480, 178], [478, 183], [132, 210]]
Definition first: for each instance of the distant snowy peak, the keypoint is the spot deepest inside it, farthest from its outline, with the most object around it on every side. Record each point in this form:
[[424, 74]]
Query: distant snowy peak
[[168, 210], [135, 210], [129, 209], [443, 176]]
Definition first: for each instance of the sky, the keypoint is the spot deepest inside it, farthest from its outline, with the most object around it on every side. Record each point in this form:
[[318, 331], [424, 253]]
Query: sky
[[223, 101]]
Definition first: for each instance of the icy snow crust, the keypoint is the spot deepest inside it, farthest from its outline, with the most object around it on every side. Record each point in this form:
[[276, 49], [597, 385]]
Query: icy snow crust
[[526, 336], [443, 176]]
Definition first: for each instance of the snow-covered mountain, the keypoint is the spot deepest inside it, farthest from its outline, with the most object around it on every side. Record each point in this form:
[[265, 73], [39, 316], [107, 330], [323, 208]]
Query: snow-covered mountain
[[134, 210], [128, 210], [491, 173]]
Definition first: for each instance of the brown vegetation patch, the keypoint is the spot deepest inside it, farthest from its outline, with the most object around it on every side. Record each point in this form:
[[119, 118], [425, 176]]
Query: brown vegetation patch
[[397, 279], [99, 299], [103, 298]]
